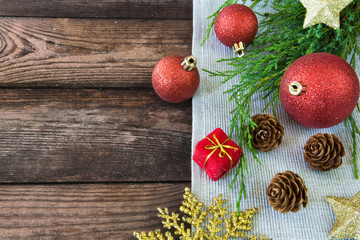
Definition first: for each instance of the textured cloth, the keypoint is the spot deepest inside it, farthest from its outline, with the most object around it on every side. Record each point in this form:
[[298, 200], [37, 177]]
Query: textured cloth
[[211, 110]]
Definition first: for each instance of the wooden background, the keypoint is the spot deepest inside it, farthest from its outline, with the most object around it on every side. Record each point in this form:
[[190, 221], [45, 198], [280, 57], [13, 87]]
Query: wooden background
[[87, 149]]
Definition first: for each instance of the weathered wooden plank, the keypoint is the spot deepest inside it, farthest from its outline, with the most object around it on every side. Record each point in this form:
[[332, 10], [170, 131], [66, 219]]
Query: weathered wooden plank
[[93, 136], [167, 9], [87, 53], [84, 211]]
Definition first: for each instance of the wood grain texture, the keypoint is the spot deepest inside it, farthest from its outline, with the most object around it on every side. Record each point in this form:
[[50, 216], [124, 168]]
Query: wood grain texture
[[93, 136], [87, 53], [84, 211], [168, 9]]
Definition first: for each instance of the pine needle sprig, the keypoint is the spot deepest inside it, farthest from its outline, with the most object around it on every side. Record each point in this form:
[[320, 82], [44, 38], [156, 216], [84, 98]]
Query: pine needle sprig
[[354, 131], [281, 40]]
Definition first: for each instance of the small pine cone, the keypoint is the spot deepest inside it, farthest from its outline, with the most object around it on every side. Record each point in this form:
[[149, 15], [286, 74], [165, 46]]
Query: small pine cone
[[287, 192], [324, 152], [268, 134]]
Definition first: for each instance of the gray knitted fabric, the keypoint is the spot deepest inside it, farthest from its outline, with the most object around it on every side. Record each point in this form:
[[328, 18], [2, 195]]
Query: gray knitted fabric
[[211, 110]]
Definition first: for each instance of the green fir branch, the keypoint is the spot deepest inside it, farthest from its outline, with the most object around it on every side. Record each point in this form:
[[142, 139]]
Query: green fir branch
[[282, 40], [355, 131]]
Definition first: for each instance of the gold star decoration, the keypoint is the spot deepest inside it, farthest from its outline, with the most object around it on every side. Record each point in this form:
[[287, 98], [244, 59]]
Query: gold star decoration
[[324, 11], [347, 223]]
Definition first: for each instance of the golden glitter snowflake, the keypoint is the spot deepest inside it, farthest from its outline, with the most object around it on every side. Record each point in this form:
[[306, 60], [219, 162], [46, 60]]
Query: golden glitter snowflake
[[192, 208]]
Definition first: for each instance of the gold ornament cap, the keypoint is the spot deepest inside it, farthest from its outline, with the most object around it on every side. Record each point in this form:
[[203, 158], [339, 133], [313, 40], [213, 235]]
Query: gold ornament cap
[[297, 88], [189, 63], [239, 49]]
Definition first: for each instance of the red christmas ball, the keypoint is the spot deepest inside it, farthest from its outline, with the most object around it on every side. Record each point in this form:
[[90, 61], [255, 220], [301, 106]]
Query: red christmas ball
[[236, 23], [319, 90], [175, 78]]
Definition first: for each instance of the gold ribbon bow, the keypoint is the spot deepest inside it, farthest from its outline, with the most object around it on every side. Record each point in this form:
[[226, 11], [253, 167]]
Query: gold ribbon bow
[[222, 147]]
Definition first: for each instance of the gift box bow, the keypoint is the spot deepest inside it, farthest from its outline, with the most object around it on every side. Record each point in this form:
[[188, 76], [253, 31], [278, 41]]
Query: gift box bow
[[216, 154], [217, 145]]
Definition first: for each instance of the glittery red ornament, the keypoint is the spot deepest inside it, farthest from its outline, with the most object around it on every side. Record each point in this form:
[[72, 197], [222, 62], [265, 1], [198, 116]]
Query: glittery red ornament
[[175, 78], [319, 90], [236, 24]]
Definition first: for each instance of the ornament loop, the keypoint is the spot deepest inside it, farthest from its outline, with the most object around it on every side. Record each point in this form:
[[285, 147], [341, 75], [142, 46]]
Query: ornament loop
[[189, 63], [239, 49], [297, 88]]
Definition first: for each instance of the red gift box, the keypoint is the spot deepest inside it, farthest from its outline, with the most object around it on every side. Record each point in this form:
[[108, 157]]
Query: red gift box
[[217, 154]]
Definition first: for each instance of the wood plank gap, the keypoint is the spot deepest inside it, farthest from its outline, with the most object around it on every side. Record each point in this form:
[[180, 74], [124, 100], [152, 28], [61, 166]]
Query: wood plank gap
[[92, 183]]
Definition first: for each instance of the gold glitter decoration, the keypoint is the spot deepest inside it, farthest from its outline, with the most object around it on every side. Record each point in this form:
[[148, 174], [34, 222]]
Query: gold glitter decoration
[[347, 223], [324, 11], [192, 208]]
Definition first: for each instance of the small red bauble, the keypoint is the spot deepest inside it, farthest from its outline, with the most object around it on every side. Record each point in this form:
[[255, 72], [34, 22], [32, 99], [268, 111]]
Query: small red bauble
[[319, 90], [217, 154], [236, 24], [175, 78]]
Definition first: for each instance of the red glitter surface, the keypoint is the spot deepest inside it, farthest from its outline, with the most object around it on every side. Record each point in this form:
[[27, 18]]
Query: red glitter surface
[[171, 82], [332, 90], [236, 23]]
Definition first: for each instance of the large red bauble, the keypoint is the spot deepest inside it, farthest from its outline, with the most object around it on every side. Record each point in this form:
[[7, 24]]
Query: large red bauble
[[332, 90], [236, 23], [173, 83]]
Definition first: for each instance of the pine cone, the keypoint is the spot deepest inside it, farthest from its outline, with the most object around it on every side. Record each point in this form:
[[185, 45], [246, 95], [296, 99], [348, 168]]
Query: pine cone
[[268, 134], [287, 192], [324, 151]]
